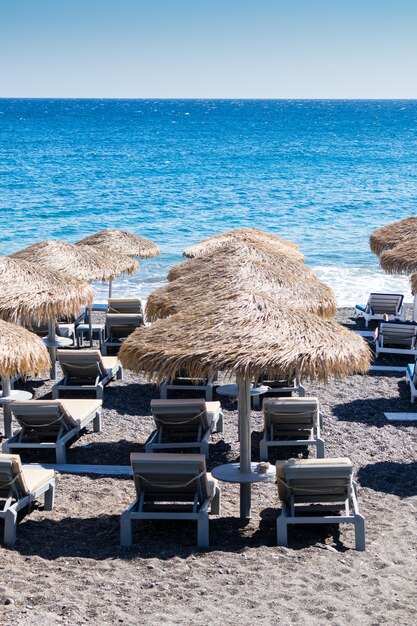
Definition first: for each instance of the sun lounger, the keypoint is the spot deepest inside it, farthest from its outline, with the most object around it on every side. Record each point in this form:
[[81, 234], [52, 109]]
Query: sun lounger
[[278, 387], [291, 422], [318, 491], [379, 305], [50, 424], [396, 338], [171, 487], [86, 370], [184, 424], [124, 306], [19, 487], [118, 327], [183, 382], [61, 330]]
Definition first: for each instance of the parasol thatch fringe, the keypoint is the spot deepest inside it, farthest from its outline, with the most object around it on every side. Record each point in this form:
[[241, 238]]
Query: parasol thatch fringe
[[122, 242], [218, 280], [83, 262], [389, 236], [245, 337], [21, 352], [401, 259], [250, 236], [32, 293]]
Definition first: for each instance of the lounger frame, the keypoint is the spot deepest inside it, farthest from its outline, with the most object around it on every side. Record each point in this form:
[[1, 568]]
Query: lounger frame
[[103, 378], [14, 500], [314, 439], [200, 505], [65, 433], [129, 321], [380, 304], [396, 334], [184, 383], [296, 387], [204, 432], [292, 510]]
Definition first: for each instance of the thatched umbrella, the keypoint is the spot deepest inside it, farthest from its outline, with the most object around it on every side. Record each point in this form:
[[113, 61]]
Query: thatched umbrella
[[298, 286], [245, 336], [121, 242], [235, 251], [83, 262], [31, 293], [389, 236], [21, 352], [250, 236]]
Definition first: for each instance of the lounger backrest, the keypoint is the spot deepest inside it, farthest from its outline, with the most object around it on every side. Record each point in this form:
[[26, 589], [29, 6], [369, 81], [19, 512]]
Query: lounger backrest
[[42, 413], [170, 477], [82, 364], [125, 305], [309, 480], [119, 326], [181, 415], [398, 334], [388, 303], [290, 414], [274, 383], [12, 477]]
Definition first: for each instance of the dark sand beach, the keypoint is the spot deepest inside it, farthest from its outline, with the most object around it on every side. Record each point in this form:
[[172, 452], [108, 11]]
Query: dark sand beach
[[67, 566]]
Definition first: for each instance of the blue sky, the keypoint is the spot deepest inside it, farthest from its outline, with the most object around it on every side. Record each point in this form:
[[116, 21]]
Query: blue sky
[[208, 48]]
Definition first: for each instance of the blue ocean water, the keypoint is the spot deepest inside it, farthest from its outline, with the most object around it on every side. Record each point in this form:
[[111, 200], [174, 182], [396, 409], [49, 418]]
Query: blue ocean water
[[322, 173]]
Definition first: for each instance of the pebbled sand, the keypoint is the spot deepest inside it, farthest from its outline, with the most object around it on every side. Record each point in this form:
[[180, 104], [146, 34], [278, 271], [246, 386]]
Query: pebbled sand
[[67, 567]]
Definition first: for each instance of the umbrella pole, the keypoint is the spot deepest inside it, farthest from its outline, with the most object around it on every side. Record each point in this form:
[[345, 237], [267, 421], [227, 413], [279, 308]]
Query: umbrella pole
[[415, 308], [90, 324], [110, 287], [52, 347], [244, 410], [7, 411]]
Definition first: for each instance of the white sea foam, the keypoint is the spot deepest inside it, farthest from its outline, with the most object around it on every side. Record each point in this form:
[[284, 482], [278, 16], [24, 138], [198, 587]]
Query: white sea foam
[[352, 285]]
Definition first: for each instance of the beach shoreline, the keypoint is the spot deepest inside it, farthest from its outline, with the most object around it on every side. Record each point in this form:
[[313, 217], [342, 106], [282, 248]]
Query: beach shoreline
[[67, 566]]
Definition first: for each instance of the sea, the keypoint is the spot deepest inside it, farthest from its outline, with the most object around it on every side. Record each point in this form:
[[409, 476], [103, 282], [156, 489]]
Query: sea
[[323, 173]]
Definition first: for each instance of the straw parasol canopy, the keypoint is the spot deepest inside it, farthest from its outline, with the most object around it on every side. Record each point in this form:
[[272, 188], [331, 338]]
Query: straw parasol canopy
[[219, 280], [21, 352], [246, 336], [401, 259], [83, 262], [250, 236], [230, 251], [122, 242], [31, 293], [391, 235]]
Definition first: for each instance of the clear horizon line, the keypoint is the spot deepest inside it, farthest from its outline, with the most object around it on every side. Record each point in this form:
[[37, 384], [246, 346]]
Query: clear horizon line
[[393, 99]]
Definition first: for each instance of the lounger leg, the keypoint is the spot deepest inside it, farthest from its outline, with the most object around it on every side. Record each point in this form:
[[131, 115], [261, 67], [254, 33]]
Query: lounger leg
[[61, 454], [50, 497], [360, 532], [209, 393], [282, 530], [10, 522], [164, 392], [263, 450], [215, 508], [204, 449], [97, 422], [119, 373], [320, 449], [99, 391], [203, 530], [220, 423], [55, 393], [125, 530]]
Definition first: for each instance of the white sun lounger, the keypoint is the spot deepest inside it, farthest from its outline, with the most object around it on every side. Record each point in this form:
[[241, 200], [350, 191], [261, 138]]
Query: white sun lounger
[[411, 379], [291, 422], [396, 338], [278, 387], [118, 327], [380, 304], [184, 424], [123, 306], [318, 491], [19, 487], [86, 370], [171, 487], [50, 424]]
